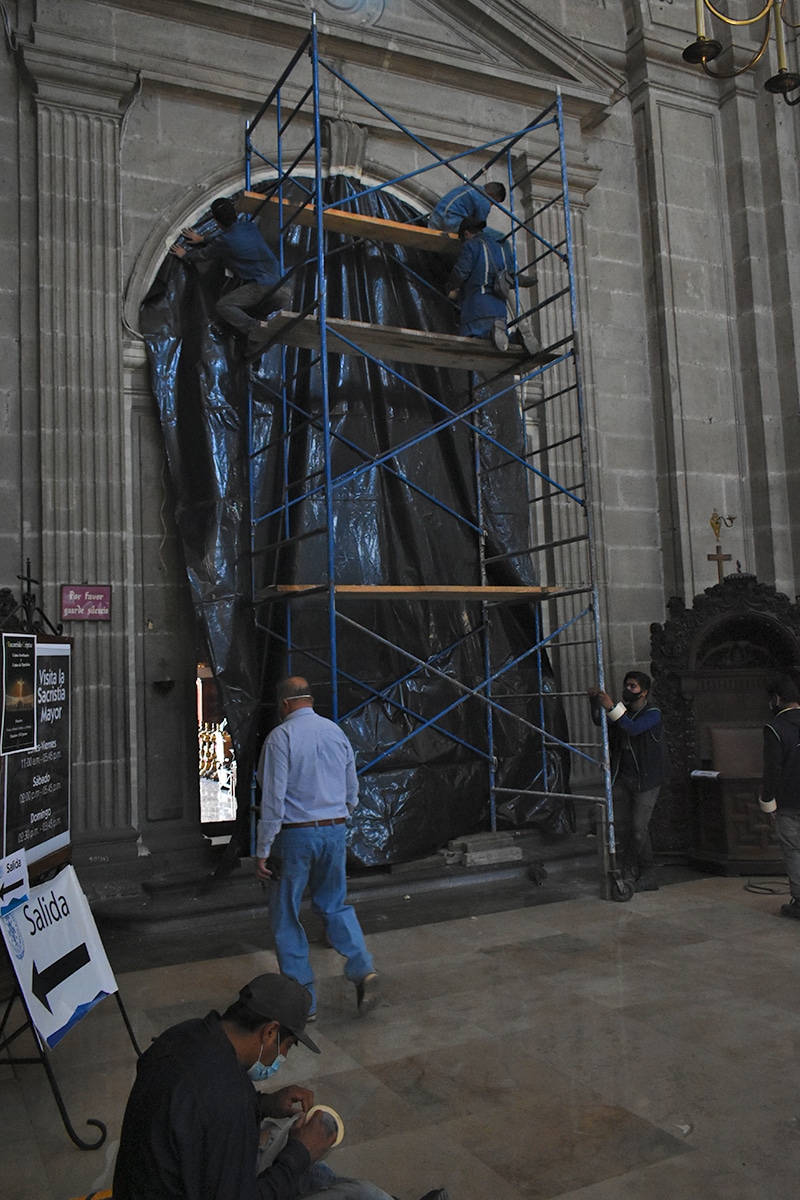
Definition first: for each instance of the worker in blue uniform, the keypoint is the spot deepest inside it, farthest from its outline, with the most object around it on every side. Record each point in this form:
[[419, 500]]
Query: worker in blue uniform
[[474, 282], [465, 201], [239, 245]]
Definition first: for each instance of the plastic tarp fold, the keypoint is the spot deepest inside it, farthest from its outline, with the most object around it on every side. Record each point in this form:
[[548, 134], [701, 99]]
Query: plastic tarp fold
[[413, 491]]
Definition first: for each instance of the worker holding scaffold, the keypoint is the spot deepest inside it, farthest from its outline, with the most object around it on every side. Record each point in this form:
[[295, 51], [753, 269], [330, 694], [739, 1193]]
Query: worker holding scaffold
[[241, 248]]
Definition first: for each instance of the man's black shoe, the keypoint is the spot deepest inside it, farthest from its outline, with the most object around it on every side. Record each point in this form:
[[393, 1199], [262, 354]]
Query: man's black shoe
[[645, 883], [367, 991], [436, 1194], [792, 909]]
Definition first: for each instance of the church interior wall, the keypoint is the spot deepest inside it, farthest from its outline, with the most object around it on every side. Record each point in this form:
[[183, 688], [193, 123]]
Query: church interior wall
[[620, 405], [779, 310], [19, 478], [11, 434], [687, 227]]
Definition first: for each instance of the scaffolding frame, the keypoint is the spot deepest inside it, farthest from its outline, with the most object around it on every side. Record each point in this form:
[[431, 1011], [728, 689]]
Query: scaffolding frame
[[548, 387]]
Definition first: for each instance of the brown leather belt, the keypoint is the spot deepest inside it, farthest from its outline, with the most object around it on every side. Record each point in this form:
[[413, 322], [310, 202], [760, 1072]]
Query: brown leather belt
[[308, 824]]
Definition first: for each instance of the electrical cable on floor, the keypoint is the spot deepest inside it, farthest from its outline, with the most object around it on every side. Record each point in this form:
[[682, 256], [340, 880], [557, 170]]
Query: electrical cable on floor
[[768, 887]]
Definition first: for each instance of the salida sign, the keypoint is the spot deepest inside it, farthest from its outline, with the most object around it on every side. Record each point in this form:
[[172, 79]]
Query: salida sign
[[57, 955]]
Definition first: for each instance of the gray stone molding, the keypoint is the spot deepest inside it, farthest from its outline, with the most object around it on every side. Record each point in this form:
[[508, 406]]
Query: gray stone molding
[[81, 415]]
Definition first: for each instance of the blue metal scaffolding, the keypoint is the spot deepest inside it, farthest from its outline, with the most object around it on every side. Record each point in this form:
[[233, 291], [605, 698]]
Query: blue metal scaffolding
[[550, 456]]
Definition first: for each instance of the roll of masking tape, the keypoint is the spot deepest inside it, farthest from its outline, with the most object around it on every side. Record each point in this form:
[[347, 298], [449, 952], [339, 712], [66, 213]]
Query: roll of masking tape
[[333, 1121]]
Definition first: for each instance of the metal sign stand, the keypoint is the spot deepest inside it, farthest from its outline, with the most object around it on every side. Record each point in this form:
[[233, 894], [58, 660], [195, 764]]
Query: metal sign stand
[[29, 617], [42, 1058]]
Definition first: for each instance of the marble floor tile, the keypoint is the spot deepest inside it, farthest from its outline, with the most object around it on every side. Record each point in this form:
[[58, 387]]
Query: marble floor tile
[[690, 1177], [409, 1165], [531, 1124], [579, 1050]]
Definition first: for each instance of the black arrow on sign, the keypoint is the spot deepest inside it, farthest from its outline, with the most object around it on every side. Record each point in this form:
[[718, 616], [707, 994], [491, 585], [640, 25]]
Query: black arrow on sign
[[46, 981], [11, 887]]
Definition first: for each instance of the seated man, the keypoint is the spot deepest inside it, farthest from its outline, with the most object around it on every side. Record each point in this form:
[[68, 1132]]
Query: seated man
[[465, 201], [473, 280], [191, 1125]]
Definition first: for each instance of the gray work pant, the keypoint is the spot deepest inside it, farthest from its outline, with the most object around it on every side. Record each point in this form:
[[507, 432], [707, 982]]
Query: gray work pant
[[231, 305], [787, 827], [632, 812]]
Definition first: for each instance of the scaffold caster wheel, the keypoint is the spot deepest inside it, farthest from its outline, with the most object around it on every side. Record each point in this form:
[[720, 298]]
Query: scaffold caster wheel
[[621, 890]]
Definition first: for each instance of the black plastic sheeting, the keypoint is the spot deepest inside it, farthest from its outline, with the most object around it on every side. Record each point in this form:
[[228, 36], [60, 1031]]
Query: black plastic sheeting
[[433, 786]]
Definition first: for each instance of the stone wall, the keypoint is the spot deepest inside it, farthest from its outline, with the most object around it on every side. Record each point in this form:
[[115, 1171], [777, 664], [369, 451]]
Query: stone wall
[[120, 122]]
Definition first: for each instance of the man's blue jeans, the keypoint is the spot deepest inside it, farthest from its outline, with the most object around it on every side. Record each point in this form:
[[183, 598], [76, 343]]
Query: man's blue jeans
[[320, 1178], [314, 857]]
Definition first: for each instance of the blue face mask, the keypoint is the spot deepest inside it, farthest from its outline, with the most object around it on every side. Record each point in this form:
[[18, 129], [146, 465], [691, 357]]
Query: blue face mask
[[260, 1071]]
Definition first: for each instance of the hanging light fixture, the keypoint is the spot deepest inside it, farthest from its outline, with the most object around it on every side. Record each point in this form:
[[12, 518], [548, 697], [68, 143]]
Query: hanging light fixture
[[704, 50]]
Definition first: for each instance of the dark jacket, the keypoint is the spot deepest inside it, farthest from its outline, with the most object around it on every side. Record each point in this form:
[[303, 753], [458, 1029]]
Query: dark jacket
[[243, 251], [191, 1125], [638, 739], [781, 783]]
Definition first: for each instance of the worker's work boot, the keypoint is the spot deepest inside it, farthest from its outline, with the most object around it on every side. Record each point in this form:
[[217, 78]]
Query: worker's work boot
[[499, 334]]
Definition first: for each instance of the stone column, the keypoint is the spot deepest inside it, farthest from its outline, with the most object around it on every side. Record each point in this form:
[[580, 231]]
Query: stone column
[[79, 108]]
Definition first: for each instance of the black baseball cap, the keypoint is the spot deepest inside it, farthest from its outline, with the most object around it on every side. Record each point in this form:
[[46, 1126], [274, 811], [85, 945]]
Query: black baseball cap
[[279, 998]]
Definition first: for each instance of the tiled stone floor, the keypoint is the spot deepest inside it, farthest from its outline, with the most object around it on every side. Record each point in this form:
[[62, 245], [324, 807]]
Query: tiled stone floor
[[583, 1050]]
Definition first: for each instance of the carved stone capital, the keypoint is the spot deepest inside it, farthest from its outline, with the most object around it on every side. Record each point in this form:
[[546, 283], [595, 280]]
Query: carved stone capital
[[70, 80]]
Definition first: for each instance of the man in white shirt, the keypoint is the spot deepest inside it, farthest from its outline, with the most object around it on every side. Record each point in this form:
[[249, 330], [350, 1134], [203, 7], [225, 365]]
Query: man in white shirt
[[309, 787]]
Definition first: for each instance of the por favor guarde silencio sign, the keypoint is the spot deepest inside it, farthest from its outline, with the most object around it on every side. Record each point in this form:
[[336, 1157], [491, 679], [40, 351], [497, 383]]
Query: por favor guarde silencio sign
[[86, 602], [36, 809]]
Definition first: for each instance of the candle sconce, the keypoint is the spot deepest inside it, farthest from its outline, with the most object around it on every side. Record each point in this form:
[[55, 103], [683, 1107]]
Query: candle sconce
[[773, 13], [716, 522]]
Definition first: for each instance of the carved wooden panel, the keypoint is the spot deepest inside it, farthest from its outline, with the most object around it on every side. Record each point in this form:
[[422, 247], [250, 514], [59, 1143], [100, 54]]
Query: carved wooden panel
[[729, 831], [710, 664]]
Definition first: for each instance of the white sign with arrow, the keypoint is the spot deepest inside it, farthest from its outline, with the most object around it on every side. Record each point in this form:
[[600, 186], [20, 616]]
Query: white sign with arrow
[[57, 955]]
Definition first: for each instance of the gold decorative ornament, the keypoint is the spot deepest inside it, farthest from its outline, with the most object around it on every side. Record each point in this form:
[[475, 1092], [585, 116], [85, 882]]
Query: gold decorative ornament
[[773, 13]]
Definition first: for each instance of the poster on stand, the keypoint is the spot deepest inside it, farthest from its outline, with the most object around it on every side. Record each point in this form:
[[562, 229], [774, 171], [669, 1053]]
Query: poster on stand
[[19, 693], [57, 955], [36, 810]]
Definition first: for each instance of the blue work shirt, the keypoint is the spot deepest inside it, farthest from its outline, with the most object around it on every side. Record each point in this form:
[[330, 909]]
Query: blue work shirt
[[244, 252], [307, 772], [462, 201], [474, 273]]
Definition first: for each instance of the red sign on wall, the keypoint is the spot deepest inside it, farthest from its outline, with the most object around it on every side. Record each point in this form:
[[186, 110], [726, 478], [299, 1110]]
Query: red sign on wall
[[86, 602]]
